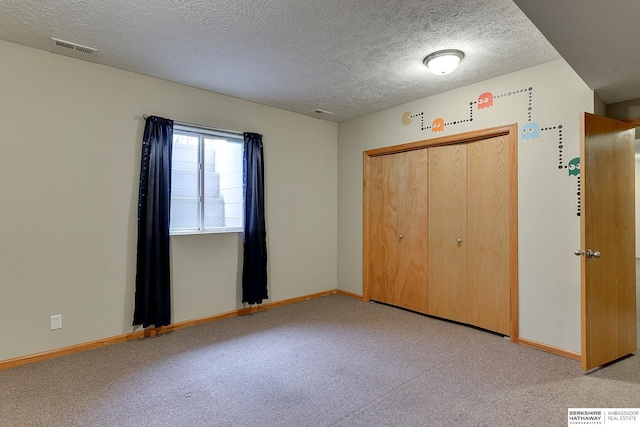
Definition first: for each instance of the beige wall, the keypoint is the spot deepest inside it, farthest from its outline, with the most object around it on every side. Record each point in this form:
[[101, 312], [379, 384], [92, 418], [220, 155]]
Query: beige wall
[[69, 175], [625, 110], [599, 107], [548, 224]]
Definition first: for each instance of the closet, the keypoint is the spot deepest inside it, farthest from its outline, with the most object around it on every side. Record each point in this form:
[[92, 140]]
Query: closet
[[440, 228]]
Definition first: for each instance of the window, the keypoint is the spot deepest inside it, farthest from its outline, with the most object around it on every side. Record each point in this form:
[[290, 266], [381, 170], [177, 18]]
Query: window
[[206, 181]]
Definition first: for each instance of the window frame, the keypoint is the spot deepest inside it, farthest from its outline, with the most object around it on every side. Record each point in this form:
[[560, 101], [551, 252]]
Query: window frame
[[202, 133]]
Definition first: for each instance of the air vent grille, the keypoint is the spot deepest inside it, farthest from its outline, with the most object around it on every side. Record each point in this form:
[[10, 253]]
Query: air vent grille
[[64, 44], [74, 50], [319, 111]]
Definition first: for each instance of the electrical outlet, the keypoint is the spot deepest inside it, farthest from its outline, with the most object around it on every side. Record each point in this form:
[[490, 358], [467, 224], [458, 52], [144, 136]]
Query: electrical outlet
[[56, 321]]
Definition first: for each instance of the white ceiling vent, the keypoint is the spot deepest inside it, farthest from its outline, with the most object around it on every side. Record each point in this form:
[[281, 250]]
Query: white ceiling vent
[[74, 50], [319, 111]]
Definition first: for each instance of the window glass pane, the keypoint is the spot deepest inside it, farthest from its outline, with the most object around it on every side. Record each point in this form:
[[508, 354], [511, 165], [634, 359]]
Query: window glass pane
[[184, 183], [211, 176], [207, 199], [223, 182], [184, 214], [213, 213]]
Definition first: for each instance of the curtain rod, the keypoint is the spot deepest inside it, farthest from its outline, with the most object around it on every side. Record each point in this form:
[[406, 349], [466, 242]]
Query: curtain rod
[[175, 122]]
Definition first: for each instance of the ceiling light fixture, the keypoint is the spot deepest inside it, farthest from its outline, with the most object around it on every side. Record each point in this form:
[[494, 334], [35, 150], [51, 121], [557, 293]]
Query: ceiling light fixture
[[443, 61]]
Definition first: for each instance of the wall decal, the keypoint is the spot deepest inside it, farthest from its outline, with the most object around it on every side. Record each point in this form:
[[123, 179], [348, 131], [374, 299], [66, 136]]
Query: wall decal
[[530, 131], [486, 103], [528, 91], [437, 125], [560, 143], [421, 115], [578, 193], [574, 170], [455, 122], [574, 166], [485, 100]]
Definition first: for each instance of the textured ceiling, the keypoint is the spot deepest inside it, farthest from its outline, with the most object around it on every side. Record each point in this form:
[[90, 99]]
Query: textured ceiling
[[349, 57]]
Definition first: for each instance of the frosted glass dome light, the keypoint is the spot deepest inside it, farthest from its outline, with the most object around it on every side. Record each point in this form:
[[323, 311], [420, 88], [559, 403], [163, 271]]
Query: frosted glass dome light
[[443, 61]]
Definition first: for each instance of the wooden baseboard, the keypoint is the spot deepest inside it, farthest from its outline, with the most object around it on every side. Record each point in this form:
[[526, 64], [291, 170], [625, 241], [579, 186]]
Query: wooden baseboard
[[23, 360], [550, 349], [349, 294]]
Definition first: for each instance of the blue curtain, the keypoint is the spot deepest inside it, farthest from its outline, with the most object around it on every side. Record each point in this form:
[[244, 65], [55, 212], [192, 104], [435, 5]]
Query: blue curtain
[[254, 268], [153, 296]]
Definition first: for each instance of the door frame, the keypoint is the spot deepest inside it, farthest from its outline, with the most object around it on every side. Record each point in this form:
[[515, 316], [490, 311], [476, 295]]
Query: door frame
[[511, 131]]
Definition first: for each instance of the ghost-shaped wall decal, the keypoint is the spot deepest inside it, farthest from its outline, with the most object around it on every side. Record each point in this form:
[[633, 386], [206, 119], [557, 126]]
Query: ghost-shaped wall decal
[[437, 125], [485, 100], [574, 166], [531, 130]]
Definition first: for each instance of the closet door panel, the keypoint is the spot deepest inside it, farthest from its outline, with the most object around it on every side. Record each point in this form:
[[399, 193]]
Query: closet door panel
[[411, 283], [447, 223], [383, 233], [488, 291]]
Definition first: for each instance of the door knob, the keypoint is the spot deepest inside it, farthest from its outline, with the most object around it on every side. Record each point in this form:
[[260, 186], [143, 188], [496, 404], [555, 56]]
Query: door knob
[[400, 236], [592, 254], [578, 252]]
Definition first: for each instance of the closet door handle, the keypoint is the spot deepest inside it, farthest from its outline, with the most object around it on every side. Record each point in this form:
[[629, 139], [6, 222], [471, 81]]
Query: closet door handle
[[459, 241], [400, 236]]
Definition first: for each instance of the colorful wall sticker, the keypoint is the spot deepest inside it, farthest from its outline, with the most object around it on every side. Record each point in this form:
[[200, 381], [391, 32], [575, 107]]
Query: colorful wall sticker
[[530, 130]]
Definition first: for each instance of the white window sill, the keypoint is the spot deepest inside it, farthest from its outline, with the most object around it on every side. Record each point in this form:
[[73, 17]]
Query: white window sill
[[208, 231]]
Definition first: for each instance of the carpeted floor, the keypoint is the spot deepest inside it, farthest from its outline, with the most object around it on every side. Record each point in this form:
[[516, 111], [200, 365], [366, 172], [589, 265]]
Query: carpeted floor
[[331, 361]]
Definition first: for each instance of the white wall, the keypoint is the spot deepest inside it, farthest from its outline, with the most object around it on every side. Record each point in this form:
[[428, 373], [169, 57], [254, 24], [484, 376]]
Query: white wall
[[548, 224], [69, 173]]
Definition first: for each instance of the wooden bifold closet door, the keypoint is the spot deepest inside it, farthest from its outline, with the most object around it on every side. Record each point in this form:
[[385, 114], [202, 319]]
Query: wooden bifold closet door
[[440, 225], [488, 289], [448, 232], [398, 220], [469, 233]]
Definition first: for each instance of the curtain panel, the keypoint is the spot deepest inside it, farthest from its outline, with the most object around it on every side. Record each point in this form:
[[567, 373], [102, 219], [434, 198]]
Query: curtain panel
[[254, 268], [153, 296]]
